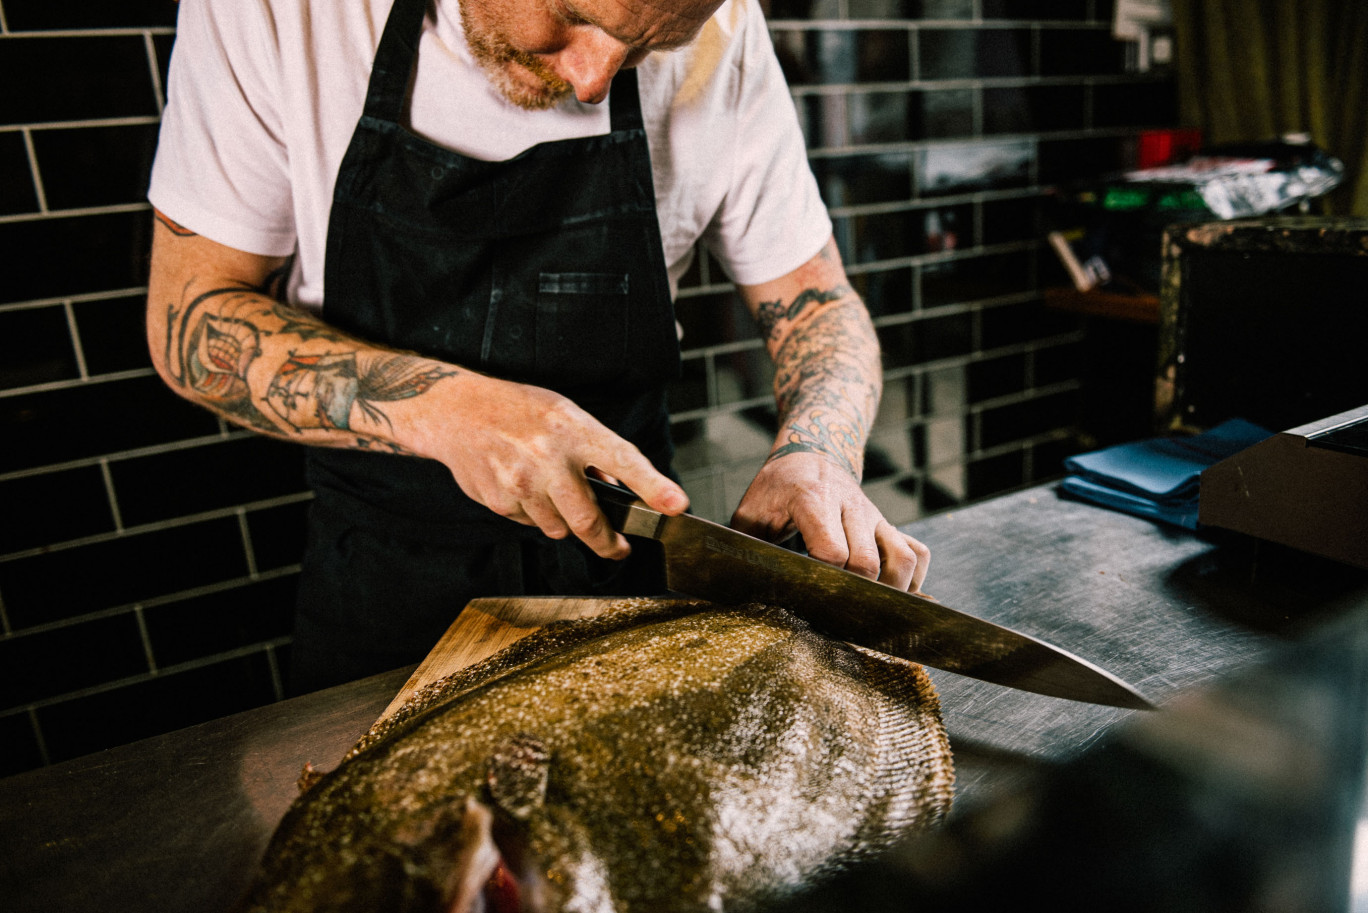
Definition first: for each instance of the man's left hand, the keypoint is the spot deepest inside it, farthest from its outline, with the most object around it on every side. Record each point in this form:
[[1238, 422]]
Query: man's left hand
[[809, 493]]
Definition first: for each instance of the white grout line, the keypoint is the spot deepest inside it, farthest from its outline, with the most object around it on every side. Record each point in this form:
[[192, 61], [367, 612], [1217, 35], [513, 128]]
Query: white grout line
[[914, 57], [76, 344], [38, 736], [72, 384], [124, 32], [135, 291], [247, 549], [145, 637], [33, 171], [75, 213], [111, 496], [127, 121], [157, 88], [273, 665]]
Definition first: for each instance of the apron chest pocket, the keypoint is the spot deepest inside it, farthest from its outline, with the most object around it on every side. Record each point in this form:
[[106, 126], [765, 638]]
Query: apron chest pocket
[[582, 326]]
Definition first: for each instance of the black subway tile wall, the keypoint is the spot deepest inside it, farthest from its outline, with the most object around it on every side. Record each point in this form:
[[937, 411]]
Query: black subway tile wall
[[62, 585], [55, 91], [95, 166], [116, 334], [149, 551], [17, 190], [74, 253], [42, 15], [35, 346], [57, 506]]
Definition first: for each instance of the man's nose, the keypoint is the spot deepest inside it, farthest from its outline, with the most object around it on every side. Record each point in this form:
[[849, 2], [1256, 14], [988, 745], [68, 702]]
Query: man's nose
[[589, 63]]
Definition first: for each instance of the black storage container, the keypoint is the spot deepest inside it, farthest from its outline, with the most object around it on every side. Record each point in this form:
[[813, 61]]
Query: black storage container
[[1262, 319]]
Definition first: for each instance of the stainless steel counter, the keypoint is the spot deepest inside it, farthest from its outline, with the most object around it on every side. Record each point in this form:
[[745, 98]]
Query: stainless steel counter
[[1164, 609], [175, 823]]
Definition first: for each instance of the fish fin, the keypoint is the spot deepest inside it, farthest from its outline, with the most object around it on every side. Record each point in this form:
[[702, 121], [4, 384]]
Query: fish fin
[[308, 776], [517, 774], [477, 861]]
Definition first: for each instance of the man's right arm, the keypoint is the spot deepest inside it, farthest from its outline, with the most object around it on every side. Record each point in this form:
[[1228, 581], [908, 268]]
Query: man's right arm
[[221, 337]]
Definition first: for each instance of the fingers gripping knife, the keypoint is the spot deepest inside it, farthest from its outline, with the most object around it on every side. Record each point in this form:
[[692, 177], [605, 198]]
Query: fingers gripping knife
[[709, 561]]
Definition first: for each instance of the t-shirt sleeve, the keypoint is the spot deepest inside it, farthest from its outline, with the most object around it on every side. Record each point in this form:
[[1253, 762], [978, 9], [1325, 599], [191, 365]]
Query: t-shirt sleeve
[[772, 219], [221, 168]]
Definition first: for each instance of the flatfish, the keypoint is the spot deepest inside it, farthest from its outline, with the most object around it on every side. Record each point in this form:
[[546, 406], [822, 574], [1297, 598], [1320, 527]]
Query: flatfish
[[666, 756]]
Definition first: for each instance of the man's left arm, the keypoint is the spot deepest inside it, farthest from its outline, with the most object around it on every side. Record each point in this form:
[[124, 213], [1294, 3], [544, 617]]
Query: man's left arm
[[827, 386]]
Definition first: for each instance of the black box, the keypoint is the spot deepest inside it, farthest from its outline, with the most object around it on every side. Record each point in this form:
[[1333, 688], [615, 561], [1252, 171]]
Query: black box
[[1262, 319]]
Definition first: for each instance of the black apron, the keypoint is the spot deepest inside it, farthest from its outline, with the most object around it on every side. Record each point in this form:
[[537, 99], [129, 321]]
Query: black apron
[[546, 269]]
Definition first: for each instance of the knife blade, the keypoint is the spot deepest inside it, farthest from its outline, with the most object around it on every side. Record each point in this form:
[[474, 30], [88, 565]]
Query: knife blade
[[709, 561]]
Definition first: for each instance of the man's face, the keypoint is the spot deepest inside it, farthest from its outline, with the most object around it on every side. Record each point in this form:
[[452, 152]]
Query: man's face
[[537, 52]]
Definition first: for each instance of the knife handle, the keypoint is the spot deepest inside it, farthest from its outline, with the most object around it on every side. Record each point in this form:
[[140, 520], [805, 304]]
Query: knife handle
[[627, 513]]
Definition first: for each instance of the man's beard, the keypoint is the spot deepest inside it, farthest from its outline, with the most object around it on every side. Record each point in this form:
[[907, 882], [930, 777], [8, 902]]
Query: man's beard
[[495, 56]]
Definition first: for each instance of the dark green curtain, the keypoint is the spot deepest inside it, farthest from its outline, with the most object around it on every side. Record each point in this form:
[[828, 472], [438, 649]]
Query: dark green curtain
[[1258, 69]]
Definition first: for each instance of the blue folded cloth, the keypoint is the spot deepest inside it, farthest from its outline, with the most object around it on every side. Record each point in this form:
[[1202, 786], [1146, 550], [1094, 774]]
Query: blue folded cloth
[[1179, 513], [1159, 477]]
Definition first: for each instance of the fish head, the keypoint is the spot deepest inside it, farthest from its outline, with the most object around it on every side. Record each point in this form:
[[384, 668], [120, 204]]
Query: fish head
[[466, 858], [442, 859]]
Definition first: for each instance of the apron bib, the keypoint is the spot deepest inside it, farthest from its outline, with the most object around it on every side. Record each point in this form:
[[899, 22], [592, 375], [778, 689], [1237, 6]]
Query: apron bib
[[545, 269]]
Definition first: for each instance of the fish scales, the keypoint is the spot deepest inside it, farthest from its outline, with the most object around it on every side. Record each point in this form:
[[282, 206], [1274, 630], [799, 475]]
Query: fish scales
[[668, 756]]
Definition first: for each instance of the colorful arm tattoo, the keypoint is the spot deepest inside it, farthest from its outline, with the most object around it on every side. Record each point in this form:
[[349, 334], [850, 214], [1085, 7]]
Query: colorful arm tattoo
[[327, 382], [827, 380]]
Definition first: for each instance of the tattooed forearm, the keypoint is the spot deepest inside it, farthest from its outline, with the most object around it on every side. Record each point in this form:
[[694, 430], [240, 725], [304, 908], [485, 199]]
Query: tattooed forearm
[[305, 326], [841, 442], [827, 382], [324, 382], [222, 333], [320, 391], [210, 344], [772, 315]]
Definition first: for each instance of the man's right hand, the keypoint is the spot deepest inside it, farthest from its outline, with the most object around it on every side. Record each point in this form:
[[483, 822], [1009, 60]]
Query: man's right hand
[[524, 452], [219, 337]]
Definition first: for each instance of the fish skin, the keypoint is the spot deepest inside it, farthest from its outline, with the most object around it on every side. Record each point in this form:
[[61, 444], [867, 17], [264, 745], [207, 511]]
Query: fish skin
[[666, 756]]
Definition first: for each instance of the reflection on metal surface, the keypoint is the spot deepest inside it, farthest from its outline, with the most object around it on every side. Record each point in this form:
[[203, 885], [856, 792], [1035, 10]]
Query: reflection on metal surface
[[1358, 875], [710, 561], [1246, 795]]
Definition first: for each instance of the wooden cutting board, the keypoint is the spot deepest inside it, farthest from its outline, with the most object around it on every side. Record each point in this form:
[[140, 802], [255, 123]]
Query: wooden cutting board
[[486, 626]]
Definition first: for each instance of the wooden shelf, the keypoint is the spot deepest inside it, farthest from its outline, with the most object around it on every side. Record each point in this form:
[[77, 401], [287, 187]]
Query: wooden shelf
[[1133, 308]]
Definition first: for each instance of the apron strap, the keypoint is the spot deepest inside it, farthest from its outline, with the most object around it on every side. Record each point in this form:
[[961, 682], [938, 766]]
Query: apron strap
[[394, 61], [624, 102]]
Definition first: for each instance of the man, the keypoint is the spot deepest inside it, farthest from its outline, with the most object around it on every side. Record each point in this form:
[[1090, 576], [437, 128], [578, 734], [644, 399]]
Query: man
[[454, 276]]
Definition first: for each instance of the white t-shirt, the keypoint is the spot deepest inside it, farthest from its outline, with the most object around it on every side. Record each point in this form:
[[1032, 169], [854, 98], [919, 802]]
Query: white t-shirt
[[264, 95]]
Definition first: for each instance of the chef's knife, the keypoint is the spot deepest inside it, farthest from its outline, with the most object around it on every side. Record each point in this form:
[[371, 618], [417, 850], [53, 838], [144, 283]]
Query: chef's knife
[[709, 561]]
